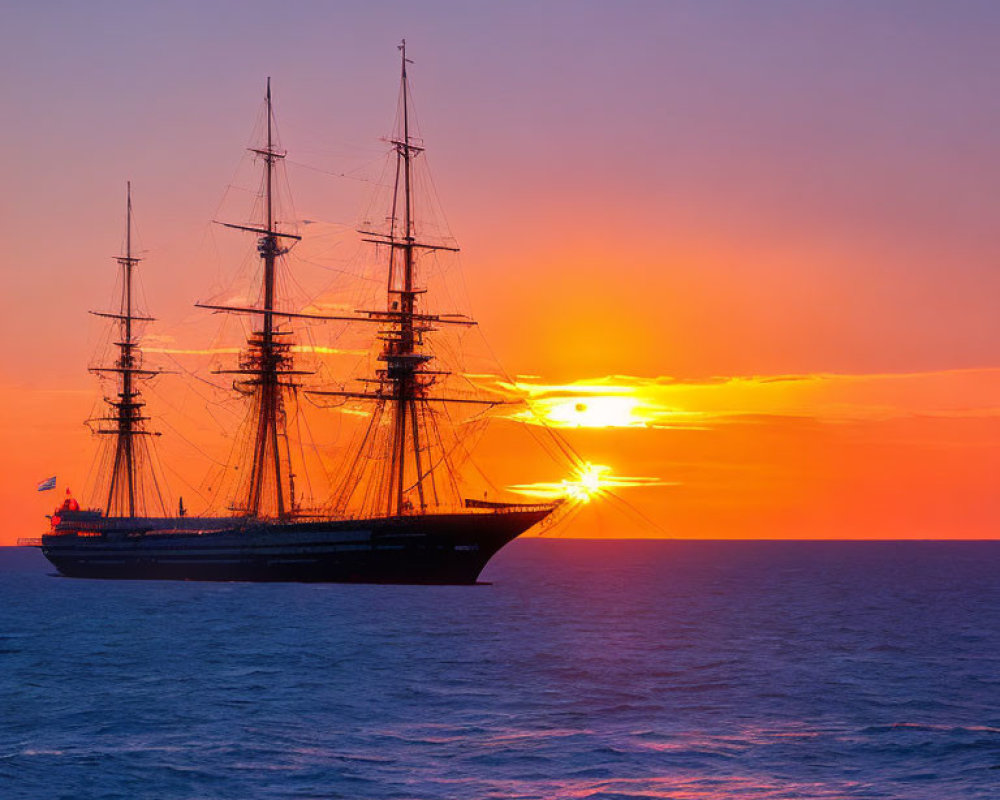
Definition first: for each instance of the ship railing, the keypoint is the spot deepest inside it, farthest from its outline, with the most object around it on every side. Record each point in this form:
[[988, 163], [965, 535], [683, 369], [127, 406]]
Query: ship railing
[[509, 508], [29, 541]]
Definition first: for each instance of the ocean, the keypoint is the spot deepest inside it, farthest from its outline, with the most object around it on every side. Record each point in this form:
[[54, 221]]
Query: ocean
[[584, 669]]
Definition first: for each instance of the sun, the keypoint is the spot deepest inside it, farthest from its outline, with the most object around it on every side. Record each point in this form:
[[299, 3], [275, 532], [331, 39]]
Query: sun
[[588, 481], [609, 411]]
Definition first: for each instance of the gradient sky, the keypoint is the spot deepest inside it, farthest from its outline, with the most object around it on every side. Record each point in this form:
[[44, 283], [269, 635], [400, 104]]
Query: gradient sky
[[761, 234]]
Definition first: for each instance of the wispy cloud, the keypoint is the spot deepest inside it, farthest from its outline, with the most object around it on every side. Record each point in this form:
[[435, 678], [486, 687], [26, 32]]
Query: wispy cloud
[[212, 351], [619, 401], [588, 482]]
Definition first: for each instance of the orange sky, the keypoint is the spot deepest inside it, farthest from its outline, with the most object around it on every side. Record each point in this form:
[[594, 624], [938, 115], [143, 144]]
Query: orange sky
[[747, 250]]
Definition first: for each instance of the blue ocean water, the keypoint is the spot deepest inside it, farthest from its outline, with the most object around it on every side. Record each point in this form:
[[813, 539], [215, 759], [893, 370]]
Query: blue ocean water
[[585, 670]]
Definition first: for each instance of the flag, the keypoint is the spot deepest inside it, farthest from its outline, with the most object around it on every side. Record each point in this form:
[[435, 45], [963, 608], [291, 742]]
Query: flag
[[48, 483]]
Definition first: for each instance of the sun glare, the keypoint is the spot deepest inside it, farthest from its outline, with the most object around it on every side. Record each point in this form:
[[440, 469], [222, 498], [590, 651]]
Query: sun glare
[[588, 482]]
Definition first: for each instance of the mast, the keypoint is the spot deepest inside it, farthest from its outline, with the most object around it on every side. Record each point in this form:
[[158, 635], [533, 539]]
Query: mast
[[266, 364], [399, 353], [124, 485], [127, 345], [402, 448], [403, 362], [270, 400]]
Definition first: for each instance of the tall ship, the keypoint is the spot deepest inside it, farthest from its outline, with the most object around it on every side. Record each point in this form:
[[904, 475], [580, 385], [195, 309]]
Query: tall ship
[[395, 511]]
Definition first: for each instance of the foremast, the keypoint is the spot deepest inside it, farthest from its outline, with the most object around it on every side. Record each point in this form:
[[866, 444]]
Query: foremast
[[131, 476], [266, 367]]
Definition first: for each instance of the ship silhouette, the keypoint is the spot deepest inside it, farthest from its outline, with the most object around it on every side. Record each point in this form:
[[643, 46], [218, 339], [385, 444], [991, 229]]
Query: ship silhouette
[[395, 514]]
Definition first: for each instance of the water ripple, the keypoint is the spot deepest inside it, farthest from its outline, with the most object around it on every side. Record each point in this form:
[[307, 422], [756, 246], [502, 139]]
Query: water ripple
[[682, 670]]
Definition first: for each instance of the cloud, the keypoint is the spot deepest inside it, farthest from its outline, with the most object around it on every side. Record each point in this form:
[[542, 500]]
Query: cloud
[[212, 351], [588, 482], [620, 401]]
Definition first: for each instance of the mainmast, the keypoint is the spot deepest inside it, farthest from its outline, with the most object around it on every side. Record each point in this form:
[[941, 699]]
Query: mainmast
[[266, 453], [267, 361], [124, 489]]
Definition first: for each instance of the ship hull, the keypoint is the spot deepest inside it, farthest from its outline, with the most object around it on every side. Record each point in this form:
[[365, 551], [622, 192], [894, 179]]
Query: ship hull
[[428, 549]]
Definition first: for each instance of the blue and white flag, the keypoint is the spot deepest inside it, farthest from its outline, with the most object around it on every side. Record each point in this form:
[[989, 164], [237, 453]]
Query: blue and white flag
[[48, 483]]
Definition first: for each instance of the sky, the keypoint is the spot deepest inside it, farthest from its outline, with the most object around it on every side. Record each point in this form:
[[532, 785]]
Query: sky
[[744, 253]]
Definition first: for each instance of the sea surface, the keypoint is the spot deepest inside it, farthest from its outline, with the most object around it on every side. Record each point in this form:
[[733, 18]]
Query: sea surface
[[605, 670]]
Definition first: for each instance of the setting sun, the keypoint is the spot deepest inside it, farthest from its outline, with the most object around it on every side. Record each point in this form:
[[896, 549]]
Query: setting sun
[[595, 412], [588, 482]]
